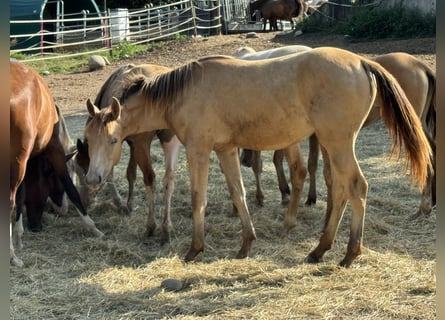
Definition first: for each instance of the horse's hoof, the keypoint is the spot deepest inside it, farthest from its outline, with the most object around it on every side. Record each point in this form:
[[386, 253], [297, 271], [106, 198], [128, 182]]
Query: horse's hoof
[[191, 255], [124, 211], [312, 259], [345, 263], [241, 255], [98, 233], [35, 228], [150, 230], [310, 201], [17, 262], [285, 200], [165, 238]]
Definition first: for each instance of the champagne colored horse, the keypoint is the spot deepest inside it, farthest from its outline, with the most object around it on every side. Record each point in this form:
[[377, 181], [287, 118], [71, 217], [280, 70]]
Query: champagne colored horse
[[139, 154], [219, 103], [33, 131], [417, 80]]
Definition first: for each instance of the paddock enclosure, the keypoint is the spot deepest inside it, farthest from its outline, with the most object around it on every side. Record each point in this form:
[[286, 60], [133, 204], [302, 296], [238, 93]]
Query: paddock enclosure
[[71, 274]]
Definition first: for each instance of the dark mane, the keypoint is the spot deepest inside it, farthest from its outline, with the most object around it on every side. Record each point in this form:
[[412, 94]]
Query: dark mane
[[99, 101], [164, 88]]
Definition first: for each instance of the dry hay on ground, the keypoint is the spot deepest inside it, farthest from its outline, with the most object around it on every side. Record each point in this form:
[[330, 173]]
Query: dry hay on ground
[[69, 274]]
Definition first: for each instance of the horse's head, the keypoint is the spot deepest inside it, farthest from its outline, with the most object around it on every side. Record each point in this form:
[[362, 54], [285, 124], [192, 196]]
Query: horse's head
[[104, 135]]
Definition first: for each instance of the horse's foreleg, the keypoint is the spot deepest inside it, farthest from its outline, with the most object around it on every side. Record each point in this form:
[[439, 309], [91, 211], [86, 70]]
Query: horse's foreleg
[[312, 164], [131, 176], [171, 154], [198, 162], [231, 167], [297, 174], [141, 153], [278, 157]]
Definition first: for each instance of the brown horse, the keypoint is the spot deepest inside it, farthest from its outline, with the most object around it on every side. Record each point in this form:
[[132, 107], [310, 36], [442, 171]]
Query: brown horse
[[139, 154], [34, 131], [419, 84], [208, 110], [274, 10]]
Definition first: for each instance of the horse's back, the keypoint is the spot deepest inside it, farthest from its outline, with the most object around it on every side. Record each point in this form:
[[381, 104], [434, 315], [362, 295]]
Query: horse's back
[[32, 109], [247, 53], [412, 75]]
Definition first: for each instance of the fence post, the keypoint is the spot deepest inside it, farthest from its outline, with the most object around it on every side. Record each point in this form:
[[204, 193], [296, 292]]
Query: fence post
[[195, 29], [41, 37]]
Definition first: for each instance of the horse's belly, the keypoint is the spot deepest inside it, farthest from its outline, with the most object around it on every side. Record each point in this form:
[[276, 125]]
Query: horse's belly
[[273, 136]]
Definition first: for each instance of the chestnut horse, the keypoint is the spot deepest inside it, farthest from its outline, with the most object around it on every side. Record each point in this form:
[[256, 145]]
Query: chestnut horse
[[219, 103], [419, 84], [33, 131], [139, 154], [274, 10]]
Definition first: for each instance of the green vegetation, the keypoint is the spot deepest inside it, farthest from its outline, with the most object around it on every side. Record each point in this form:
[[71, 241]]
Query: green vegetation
[[126, 49], [377, 23], [68, 64]]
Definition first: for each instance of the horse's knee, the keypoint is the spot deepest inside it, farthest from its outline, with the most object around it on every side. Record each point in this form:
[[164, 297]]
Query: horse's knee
[[359, 186]]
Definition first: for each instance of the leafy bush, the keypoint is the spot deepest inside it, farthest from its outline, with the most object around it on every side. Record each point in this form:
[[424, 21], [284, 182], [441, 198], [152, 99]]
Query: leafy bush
[[377, 23], [126, 49]]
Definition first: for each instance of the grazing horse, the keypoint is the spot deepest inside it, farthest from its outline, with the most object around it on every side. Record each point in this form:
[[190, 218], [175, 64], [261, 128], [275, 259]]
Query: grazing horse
[[273, 10], [416, 79], [39, 185], [139, 154], [219, 103], [34, 131]]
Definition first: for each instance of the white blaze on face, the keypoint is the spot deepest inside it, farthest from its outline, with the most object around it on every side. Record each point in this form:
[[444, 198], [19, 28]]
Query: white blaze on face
[[104, 148]]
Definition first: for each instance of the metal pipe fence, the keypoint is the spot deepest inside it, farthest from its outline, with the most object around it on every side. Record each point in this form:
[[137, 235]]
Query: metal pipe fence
[[85, 33]]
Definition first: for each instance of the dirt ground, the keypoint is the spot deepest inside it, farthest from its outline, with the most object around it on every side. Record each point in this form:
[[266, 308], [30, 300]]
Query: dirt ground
[[72, 90]]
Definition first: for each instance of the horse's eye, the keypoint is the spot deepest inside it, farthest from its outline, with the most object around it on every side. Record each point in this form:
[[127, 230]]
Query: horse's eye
[[113, 141]]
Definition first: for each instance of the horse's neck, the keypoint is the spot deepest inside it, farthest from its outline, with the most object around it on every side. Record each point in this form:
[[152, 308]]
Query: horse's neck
[[141, 119]]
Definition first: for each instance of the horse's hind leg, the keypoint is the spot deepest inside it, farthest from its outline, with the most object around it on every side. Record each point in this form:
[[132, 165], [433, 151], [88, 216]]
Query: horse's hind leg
[[171, 154], [231, 168], [278, 157], [257, 167], [17, 174], [427, 199], [312, 164], [297, 175], [348, 183]]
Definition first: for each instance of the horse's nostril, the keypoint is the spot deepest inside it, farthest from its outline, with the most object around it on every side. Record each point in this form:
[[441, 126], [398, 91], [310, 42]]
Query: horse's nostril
[[100, 179]]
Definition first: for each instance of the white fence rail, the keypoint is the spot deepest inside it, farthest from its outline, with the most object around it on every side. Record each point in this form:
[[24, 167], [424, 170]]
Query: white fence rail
[[89, 34]]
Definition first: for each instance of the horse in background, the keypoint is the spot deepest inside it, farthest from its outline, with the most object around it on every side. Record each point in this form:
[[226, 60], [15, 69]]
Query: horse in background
[[209, 111], [274, 10], [40, 186], [139, 155], [34, 131]]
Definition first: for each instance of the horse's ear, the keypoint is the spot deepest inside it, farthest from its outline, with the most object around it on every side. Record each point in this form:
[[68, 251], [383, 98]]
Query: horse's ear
[[92, 109], [115, 109], [70, 155], [80, 146]]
